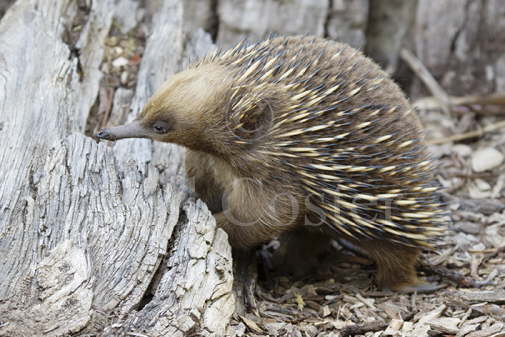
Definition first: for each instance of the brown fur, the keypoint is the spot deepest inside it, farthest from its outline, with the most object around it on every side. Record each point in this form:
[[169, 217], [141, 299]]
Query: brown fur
[[302, 128], [395, 263]]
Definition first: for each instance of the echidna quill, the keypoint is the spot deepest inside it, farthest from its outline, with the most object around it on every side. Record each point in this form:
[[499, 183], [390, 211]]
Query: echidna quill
[[296, 131]]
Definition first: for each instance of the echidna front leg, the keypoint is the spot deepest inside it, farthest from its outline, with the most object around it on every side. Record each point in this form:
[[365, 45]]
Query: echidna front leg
[[245, 235], [201, 176], [253, 214]]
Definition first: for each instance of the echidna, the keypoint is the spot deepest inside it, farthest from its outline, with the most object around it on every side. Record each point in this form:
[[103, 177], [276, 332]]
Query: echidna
[[301, 130]]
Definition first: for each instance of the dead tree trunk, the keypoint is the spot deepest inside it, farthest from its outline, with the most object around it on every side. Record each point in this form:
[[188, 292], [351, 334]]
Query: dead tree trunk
[[97, 237]]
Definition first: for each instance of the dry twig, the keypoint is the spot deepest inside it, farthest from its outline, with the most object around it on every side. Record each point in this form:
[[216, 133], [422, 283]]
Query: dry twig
[[360, 329], [467, 135], [484, 101], [423, 73], [492, 99]]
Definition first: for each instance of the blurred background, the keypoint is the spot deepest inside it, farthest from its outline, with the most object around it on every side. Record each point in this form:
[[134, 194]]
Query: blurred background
[[461, 42]]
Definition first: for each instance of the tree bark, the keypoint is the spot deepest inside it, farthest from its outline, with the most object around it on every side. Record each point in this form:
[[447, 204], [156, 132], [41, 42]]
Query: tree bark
[[388, 25], [462, 43], [92, 229]]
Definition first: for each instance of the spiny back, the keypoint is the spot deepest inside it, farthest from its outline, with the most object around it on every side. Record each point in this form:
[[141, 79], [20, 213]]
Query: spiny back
[[344, 132]]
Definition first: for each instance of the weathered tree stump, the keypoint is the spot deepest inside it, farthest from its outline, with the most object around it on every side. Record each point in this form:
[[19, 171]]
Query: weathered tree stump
[[98, 237]]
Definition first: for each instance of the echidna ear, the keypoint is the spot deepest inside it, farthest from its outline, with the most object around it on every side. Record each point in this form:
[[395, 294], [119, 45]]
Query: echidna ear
[[252, 115]]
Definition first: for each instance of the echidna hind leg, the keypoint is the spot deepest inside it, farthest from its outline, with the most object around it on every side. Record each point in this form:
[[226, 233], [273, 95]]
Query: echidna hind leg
[[395, 264]]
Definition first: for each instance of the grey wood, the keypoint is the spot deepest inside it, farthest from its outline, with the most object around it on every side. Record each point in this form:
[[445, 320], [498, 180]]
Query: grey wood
[[87, 229], [464, 51], [257, 19]]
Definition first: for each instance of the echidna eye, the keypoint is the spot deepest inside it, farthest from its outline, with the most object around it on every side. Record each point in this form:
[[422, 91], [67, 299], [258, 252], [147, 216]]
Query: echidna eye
[[160, 127]]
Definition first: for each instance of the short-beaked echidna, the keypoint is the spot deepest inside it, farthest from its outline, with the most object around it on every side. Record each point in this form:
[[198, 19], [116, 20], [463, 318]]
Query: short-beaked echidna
[[296, 131]]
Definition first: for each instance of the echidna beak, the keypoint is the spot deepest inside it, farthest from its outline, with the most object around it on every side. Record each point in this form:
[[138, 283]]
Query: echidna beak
[[131, 130]]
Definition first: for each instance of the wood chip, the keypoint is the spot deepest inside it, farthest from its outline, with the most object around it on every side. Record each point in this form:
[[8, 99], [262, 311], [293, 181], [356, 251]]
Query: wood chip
[[446, 325], [394, 327], [494, 330], [325, 311], [491, 296], [251, 324], [486, 159], [467, 328], [426, 317]]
